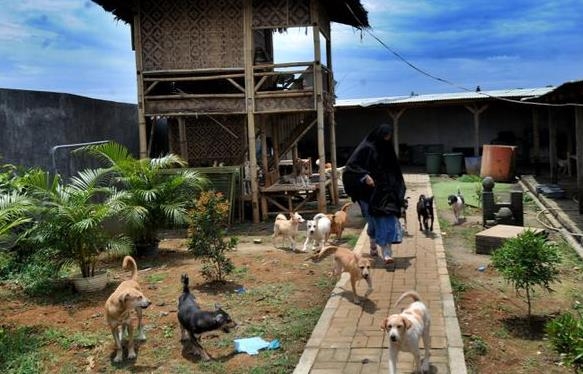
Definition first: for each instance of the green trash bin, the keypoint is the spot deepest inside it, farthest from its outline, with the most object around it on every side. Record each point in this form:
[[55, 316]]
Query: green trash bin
[[453, 163], [433, 163]]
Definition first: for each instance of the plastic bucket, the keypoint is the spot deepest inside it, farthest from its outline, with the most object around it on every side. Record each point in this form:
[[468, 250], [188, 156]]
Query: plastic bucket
[[453, 163], [498, 162], [473, 165], [433, 163]]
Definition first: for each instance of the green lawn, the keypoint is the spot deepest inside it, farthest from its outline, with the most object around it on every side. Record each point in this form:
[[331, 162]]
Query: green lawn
[[470, 188]]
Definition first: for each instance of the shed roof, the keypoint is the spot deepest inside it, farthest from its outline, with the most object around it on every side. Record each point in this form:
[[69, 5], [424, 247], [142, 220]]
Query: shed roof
[[456, 97], [568, 92], [347, 12]]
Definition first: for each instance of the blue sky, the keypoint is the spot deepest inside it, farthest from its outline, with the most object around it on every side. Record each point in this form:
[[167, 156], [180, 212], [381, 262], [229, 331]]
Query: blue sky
[[74, 46]]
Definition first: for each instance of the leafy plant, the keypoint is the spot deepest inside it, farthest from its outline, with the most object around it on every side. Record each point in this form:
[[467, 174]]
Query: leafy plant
[[14, 212], [207, 235], [565, 333], [157, 197], [71, 218], [526, 261]]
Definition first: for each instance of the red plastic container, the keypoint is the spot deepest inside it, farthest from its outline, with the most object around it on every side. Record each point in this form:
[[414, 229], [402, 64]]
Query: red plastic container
[[498, 162]]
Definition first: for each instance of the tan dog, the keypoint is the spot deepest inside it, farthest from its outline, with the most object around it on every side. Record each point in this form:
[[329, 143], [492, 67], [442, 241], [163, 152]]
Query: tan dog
[[405, 329], [287, 228], [350, 262], [339, 220], [126, 297]]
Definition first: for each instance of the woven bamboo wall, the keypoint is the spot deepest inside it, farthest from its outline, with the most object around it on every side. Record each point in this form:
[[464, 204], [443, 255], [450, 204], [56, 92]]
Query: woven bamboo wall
[[183, 34], [281, 13], [209, 142]]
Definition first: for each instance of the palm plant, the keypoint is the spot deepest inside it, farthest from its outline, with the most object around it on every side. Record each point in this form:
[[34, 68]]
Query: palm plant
[[157, 197], [14, 211], [72, 218]]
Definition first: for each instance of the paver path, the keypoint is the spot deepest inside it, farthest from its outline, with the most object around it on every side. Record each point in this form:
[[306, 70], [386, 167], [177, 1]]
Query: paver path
[[348, 338]]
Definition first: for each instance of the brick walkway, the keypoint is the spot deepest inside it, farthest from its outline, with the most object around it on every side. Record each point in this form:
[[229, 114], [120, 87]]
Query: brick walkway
[[348, 338]]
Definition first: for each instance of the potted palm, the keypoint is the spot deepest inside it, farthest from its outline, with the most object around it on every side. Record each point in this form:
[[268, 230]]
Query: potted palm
[[71, 222], [156, 198]]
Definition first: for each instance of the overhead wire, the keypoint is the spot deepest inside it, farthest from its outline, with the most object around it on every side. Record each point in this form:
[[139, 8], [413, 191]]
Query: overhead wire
[[443, 80]]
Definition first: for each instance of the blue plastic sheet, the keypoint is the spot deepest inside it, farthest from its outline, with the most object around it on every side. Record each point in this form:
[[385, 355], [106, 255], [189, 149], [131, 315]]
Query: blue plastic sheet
[[253, 345]]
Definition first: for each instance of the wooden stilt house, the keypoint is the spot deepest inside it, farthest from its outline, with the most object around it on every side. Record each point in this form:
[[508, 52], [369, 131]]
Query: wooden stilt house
[[208, 68]]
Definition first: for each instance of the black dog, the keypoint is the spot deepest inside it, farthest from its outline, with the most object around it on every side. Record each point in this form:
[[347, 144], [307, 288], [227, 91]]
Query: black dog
[[194, 321], [425, 212]]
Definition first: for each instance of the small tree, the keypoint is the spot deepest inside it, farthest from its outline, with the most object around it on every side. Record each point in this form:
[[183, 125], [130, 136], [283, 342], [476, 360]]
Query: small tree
[[528, 261], [207, 235]]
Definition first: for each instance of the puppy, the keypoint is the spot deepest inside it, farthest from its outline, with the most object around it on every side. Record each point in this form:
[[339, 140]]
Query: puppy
[[404, 208], [194, 321], [339, 220], [126, 297], [302, 171], [425, 212], [287, 228], [350, 262], [318, 231], [404, 331], [457, 204]]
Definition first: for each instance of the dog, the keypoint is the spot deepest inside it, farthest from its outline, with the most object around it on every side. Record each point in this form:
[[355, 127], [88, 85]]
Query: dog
[[457, 204], [126, 297], [318, 231], [405, 329], [339, 220], [287, 228], [302, 171], [425, 212], [404, 208], [347, 261], [194, 321]]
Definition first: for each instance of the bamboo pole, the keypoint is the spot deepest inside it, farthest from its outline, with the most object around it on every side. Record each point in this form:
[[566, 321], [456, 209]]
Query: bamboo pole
[[319, 97], [142, 133], [579, 150], [332, 119]]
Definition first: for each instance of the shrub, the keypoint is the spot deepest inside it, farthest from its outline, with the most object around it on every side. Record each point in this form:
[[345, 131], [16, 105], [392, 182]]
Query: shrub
[[565, 333], [526, 261], [207, 235]]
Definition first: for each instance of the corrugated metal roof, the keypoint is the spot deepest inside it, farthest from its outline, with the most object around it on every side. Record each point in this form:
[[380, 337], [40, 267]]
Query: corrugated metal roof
[[516, 93]]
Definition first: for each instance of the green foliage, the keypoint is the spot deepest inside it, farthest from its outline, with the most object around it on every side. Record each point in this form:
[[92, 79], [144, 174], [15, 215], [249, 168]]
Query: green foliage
[[467, 178], [565, 333], [156, 197], [19, 350], [207, 235], [526, 261]]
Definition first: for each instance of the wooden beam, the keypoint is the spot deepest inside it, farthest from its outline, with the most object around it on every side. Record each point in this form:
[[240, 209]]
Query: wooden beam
[[552, 147], [395, 116], [536, 140], [319, 104], [142, 133], [182, 140], [579, 150], [476, 111], [332, 119]]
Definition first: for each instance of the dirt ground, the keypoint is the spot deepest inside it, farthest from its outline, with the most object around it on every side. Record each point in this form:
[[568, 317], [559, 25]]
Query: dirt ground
[[498, 338], [273, 293]]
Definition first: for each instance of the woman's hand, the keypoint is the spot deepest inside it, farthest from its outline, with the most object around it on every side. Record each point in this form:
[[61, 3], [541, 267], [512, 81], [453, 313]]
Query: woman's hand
[[369, 181]]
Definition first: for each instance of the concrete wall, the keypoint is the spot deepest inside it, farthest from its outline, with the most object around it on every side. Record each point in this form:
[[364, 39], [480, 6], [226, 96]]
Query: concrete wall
[[33, 122]]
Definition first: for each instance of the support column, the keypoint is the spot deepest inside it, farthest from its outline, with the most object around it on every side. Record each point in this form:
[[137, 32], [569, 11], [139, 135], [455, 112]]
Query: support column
[[319, 108], [579, 150], [395, 116], [536, 140], [476, 112], [552, 148], [250, 104], [142, 133], [182, 138]]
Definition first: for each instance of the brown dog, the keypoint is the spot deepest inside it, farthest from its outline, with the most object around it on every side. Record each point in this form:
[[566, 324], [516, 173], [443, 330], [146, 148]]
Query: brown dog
[[350, 262], [339, 220], [126, 297]]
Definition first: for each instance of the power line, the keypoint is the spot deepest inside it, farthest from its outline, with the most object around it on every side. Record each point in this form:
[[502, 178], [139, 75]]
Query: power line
[[442, 80]]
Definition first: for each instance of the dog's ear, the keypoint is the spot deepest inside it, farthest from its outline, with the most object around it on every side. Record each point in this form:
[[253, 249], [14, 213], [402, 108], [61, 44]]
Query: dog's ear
[[407, 323], [220, 318], [124, 297]]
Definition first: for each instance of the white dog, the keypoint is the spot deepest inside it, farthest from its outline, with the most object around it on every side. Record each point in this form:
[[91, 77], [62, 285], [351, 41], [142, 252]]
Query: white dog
[[457, 204], [404, 331], [318, 231], [287, 228]]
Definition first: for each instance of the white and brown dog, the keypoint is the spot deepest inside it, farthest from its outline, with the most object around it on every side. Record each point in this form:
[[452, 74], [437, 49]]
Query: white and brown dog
[[405, 329], [353, 263], [318, 231], [118, 307], [457, 204], [287, 228], [339, 220]]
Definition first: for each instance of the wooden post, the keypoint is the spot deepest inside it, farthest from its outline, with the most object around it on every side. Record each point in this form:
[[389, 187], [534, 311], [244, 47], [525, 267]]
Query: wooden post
[[332, 125], [250, 103], [552, 147], [536, 140], [579, 150], [182, 139], [319, 107], [395, 116], [476, 111], [141, 102]]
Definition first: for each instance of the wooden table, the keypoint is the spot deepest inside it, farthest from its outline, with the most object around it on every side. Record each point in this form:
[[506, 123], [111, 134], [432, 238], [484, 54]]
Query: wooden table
[[290, 192]]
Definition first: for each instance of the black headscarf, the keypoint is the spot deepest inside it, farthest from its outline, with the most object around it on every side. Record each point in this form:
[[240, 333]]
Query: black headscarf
[[375, 156]]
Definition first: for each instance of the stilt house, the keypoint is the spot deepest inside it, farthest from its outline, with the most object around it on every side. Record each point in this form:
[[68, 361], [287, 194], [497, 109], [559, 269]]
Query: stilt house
[[208, 68]]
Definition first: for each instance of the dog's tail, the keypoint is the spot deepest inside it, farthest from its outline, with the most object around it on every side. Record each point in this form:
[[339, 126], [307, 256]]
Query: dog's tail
[[324, 252], [184, 280], [345, 206], [127, 260], [319, 216], [413, 294]]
